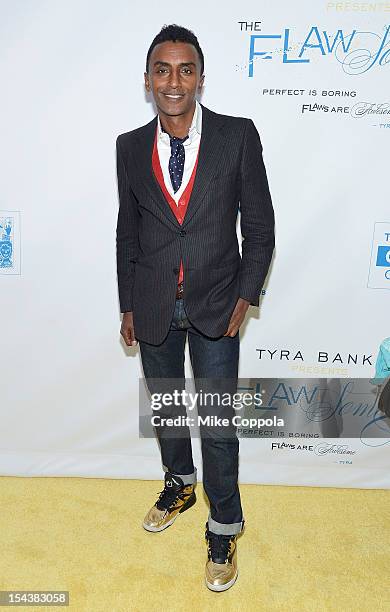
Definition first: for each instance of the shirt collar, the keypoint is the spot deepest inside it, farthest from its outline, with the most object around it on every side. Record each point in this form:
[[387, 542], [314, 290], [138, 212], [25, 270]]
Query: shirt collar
[[195, 128]]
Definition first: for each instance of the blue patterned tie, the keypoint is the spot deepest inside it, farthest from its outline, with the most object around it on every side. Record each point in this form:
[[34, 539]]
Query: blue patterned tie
[[176, 161]]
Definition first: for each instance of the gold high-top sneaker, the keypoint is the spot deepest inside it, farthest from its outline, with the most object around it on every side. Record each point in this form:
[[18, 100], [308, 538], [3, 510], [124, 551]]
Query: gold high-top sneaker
[[173, 499], [221, 567]]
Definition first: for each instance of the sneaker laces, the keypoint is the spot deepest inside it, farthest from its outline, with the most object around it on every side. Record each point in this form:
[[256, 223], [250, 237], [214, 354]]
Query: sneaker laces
[[219, 545], [167, 497]]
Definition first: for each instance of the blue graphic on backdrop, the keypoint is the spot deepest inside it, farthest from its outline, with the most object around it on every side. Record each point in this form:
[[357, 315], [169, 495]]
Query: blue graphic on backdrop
[[379, 274], [357, 52], [6, 242], [382, 365]]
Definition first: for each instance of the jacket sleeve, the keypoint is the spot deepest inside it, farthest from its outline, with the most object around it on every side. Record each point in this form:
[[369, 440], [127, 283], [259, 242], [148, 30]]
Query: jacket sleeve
[[126, 234], [257, 217]]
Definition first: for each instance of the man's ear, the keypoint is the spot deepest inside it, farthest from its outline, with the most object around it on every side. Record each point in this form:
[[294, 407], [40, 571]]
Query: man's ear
[[201, 82], [147, 82]]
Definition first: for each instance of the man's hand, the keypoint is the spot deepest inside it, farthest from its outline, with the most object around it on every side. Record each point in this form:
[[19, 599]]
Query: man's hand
[[127, 329], [237, 317]]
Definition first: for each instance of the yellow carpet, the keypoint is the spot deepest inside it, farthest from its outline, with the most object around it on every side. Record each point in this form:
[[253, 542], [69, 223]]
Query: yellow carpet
[[303, 549]]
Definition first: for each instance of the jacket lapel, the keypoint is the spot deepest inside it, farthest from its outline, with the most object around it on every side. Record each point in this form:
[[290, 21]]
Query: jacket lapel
[[212, 143], [143, 159]]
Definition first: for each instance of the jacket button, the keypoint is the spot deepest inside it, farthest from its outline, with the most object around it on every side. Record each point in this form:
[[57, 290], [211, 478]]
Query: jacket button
[[182, 232]]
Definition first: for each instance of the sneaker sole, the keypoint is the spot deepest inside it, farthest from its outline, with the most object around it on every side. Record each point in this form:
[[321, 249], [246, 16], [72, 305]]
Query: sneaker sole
[[189, 503], [221, 587]]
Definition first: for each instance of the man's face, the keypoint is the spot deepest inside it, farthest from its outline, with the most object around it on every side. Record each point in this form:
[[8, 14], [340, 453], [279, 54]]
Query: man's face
[[174, 77]]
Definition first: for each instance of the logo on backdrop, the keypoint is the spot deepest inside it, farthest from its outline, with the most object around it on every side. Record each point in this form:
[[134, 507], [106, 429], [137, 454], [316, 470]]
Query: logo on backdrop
[[6, 242], [335, 453], [379, 273], [364, 109], [321, 356], [356, 52], [315, 407], [9, 242]]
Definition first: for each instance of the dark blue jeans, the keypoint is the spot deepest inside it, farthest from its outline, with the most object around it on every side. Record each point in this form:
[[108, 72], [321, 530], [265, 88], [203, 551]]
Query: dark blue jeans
[[210, 357]]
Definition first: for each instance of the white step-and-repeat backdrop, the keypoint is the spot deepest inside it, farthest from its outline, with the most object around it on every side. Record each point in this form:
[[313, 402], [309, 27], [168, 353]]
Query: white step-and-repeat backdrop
[[314, 77]]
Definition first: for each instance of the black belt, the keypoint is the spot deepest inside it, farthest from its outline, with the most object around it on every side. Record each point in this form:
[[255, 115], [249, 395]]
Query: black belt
[[179, 291]]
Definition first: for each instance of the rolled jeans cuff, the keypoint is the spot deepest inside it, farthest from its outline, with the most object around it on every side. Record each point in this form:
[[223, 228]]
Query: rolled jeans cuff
[[186, 478], [225, 528]]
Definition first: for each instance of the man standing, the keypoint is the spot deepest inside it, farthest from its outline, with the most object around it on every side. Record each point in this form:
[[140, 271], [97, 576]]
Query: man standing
[[182, 179]]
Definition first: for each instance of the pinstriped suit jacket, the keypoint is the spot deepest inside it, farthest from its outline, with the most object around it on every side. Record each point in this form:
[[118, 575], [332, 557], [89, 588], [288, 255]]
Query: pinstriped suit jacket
[[150, 241]]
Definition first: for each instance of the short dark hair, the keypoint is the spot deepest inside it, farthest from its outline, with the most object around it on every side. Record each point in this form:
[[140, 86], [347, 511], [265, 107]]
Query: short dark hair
[[174, 32]]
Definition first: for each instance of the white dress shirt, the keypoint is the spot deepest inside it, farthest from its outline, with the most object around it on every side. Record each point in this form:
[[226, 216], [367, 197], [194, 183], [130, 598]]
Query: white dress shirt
[[191, 146]]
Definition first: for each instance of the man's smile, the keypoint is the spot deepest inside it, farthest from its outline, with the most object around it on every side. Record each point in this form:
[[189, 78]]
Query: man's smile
[[173, 96]]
